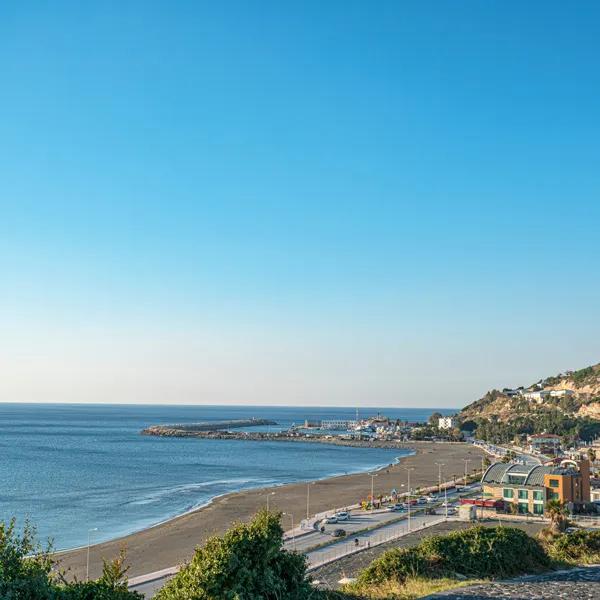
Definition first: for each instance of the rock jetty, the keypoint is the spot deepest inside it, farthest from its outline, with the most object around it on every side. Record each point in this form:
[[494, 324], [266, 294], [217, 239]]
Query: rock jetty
[[278, 436]]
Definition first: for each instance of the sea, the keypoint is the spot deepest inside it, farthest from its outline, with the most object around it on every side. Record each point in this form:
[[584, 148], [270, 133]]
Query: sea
[[75, 470]]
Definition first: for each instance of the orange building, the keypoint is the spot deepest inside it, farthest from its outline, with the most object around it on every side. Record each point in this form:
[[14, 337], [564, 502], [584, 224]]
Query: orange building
[[530, 487]]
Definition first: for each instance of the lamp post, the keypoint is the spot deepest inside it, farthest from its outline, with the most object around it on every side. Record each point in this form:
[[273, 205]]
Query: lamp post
[[87, 566], [408, 470], [308, 498], [467, 461], [373, 475], [291, 516], [268, 496], [439, 466]]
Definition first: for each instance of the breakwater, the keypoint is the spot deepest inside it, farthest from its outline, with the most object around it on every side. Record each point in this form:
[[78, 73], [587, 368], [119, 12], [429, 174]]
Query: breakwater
[[185, 431], [210, 425]]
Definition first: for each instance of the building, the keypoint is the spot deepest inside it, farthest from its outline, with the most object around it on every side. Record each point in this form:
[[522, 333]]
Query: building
[[528, 488], [537, 396], [546, 443], [561, 393], [446, 423], [338, 424]]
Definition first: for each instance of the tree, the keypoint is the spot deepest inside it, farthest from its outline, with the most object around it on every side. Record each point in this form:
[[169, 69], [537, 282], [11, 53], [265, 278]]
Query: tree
[[557, 512], [434, 419], [247, 563], [28, 572], [24, 578]]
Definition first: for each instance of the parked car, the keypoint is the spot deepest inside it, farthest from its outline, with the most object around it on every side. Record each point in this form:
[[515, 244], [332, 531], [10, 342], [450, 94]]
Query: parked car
[[446, 511], [430, 499], [422, 500], [395, 507], [331, 520], [339, 533], [342, 516], [571, 529]]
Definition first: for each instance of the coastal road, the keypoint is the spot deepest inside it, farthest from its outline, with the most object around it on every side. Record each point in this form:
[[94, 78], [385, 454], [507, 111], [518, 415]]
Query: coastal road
[[382, 525], [360, 520]]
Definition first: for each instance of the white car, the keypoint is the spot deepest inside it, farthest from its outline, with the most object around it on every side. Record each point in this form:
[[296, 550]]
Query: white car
[[342, 516], [422, 500], [330, 520], [430, 499]]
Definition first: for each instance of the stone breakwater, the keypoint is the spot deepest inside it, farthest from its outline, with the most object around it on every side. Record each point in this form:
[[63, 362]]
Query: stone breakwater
[[175, 431], [211, 425]]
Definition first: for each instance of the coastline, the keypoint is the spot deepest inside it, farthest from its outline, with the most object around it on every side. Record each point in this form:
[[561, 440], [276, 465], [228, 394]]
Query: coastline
[[266, 490], [172, 542]]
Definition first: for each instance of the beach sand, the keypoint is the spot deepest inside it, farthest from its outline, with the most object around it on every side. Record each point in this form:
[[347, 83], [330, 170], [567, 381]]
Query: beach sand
[[173, 542]]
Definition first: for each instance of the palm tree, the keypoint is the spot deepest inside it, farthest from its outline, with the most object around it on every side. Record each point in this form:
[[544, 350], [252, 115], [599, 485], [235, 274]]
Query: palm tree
[[557, 513]]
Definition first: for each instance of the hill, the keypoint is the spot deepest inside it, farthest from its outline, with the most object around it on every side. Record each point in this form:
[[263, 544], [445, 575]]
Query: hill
[[567, 404]]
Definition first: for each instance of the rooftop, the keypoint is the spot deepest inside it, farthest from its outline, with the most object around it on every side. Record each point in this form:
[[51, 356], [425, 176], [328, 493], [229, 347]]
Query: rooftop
[[499, 473]]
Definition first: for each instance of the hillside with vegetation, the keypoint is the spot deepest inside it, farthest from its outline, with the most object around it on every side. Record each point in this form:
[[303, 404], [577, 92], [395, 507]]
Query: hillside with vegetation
[[567, 404]]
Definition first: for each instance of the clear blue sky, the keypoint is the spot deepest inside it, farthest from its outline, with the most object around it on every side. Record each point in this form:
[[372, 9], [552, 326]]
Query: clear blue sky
[[296, 203]]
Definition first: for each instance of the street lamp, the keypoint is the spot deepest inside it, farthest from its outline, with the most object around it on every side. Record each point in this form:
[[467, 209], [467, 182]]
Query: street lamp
[[408, 470], [87, 567], [291, 516], [268, 496], [373, 475], [439, 466], [467, 461], [308, 498]]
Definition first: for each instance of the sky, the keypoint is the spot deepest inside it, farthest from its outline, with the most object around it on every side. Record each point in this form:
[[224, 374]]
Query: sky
[[385, 203]]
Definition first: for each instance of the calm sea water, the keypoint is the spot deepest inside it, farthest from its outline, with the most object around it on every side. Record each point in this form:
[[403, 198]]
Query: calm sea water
[[70, 468]]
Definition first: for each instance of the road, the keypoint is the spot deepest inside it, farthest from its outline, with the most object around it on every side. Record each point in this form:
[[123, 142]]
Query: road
[[382, 525]]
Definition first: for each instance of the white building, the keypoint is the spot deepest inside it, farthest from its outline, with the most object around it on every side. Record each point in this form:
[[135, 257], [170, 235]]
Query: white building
[[561, 393], [338, 424], [446, 423], [536, 396]]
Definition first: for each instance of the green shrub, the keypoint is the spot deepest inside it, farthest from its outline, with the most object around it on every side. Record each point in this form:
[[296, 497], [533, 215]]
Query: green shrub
[[27, 572], [247, 563], [486, 552], [478, 552], [577, 547], [24, 578]]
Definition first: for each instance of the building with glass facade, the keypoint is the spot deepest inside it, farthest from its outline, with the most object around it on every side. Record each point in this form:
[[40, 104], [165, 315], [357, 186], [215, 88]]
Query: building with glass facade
[[529, 487]]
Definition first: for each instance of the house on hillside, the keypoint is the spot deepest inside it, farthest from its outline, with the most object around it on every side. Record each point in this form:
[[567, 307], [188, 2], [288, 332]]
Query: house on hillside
[[561, 393], [446, 423], [537, 395], [545, 443]]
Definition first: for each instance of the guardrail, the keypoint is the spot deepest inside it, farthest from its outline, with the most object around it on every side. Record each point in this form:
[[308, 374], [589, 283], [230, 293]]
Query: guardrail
[[340, 550]]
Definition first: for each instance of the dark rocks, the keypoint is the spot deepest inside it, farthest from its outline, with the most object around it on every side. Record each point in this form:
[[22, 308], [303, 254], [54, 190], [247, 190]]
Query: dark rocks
[[580, 584]]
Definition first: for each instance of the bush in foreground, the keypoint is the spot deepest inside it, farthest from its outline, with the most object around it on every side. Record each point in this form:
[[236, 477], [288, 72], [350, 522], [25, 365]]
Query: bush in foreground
[[579, 547], [478, 552], [28, 572], [247, 563]]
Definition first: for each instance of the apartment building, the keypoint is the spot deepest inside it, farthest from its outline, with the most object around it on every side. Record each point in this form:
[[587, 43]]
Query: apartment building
[[529, 488]]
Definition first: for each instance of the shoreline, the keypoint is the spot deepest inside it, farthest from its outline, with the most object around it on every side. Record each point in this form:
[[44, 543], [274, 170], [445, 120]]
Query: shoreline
[[173, 541], [210, 501]]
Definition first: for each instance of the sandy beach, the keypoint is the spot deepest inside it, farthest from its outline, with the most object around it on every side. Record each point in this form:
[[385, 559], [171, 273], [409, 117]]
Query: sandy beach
[[173, 542]]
